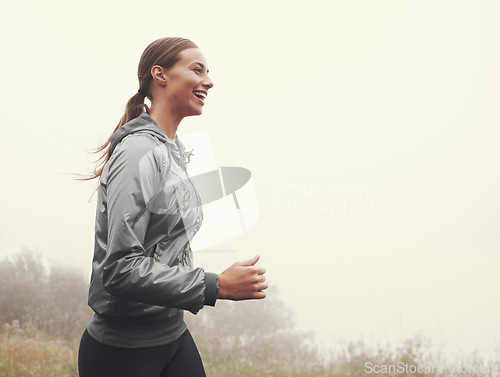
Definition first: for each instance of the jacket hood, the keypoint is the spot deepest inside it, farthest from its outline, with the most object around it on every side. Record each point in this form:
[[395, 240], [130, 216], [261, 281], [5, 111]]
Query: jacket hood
[[144, 123]]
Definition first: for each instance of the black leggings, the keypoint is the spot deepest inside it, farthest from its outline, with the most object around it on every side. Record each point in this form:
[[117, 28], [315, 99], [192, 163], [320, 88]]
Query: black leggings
[[176, 359]]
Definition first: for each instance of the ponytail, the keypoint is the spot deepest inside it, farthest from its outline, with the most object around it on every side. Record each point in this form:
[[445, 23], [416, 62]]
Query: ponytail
[[135, 107]]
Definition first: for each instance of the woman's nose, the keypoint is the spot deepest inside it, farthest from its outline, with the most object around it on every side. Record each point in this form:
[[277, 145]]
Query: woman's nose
[[208, 83]]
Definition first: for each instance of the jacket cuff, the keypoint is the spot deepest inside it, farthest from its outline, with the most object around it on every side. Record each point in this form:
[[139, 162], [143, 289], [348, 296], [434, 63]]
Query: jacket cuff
[[211, 288]]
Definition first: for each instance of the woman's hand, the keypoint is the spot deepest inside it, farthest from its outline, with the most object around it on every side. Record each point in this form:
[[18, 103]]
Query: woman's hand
[[242, 281]]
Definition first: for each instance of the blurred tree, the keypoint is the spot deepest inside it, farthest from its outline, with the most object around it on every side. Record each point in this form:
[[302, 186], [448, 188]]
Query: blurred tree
[[250, 319], [55, 302], [22, 285], [67, 295], [260, 334]]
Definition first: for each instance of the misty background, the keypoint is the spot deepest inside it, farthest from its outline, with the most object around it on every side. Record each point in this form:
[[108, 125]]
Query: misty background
[[370, 128]]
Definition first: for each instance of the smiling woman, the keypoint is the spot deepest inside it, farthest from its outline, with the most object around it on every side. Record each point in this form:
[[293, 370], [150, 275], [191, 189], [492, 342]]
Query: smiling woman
[[148, 211], [180, 90]]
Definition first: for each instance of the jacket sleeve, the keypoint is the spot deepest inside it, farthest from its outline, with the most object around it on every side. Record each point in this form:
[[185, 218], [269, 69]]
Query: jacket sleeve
[[133, 179]]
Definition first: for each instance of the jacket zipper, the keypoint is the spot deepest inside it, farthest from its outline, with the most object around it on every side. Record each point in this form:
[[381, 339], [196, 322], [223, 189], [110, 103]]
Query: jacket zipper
[[198, 199]]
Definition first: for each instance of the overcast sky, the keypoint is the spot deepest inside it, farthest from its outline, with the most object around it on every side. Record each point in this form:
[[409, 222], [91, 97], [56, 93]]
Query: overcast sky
[[371, 129]]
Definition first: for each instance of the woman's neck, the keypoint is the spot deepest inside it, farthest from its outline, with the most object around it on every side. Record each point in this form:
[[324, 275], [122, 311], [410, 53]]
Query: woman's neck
[[165, 119]]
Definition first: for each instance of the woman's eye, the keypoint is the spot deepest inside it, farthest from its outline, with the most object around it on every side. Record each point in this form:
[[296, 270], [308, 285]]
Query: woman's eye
[[198, 70]]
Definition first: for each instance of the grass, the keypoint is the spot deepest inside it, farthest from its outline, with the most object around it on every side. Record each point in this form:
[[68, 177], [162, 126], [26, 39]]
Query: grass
[[27, 352]]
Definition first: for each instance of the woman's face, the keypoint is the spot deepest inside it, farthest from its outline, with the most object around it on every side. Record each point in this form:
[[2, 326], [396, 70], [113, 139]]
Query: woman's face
[[187, 83]]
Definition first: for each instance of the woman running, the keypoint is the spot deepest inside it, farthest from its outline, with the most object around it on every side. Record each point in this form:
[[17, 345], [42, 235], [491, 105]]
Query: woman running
[[147, 213]]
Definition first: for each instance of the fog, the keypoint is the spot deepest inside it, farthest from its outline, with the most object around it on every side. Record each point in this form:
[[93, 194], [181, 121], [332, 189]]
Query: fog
[[370, 130]]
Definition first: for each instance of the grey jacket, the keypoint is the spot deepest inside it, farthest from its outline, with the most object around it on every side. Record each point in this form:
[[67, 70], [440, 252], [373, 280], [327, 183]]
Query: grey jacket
[[147, 213]]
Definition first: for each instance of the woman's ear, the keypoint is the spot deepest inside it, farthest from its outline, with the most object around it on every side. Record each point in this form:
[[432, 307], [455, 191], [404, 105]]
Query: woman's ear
[[158, 75]]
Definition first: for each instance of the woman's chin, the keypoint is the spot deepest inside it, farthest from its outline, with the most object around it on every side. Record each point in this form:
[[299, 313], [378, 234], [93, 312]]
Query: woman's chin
[[196, 112]]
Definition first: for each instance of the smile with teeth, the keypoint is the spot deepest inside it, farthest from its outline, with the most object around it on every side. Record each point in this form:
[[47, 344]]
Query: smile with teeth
[[200, 95]]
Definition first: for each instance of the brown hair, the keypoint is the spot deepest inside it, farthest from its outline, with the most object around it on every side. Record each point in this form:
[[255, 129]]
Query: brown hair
[[163, 52]]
